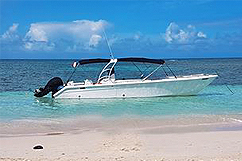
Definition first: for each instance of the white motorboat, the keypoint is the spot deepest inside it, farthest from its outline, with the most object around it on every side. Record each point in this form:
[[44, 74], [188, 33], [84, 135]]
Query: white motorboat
[[107, 86]]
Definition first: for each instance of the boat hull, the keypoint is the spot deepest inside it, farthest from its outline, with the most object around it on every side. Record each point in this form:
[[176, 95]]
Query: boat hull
[[181, 86]]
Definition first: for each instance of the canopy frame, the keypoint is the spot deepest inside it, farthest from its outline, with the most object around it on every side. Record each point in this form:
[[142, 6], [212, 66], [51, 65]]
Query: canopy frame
[[108, 69]]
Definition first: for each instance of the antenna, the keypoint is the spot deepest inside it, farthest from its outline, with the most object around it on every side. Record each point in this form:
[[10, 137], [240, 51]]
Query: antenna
[[110, 50]]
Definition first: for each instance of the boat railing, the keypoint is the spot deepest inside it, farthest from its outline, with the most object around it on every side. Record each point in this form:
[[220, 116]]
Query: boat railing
[[107, 70], [103, 77]]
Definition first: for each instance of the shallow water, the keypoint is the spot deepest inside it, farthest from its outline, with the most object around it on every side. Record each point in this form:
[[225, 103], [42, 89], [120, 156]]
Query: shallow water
[[18, 76]]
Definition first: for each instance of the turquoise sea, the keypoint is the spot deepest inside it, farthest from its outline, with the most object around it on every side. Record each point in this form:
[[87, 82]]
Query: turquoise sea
[[18, 78]]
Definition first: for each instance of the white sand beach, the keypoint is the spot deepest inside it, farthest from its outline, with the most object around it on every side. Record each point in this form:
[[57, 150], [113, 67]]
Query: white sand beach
[[198, 138]]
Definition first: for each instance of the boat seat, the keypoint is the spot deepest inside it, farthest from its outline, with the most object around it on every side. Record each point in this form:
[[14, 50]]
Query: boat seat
[[88, 82]]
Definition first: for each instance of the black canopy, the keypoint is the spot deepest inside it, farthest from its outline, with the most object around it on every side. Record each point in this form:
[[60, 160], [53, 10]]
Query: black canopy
[[90, 61], [142, 60]]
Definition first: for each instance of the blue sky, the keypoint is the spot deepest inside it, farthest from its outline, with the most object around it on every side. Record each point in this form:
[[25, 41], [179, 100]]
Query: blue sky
[[159, 29]]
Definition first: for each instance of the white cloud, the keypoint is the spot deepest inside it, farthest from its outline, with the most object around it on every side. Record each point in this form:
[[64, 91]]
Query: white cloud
[[10, 40], [174, 34], [37, 32], [85, 35], [11, 33], [138, 36], [94, 40], [201, 34], [39, 46], [76, 35]]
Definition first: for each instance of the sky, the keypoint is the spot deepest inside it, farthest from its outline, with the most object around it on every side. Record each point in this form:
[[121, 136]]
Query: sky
[[156, 29]]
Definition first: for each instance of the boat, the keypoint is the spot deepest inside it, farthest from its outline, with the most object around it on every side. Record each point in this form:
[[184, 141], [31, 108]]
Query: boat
[[107, 86]]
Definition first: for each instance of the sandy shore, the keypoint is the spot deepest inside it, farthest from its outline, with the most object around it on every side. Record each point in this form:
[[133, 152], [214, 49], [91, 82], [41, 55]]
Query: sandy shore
[[199, 138]]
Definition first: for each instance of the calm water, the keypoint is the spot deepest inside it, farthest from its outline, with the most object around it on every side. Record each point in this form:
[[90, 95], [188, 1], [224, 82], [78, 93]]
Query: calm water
[[19, 77]]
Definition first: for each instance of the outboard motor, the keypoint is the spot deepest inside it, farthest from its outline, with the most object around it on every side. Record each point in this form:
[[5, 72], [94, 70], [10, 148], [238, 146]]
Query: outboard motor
[[52, 86]]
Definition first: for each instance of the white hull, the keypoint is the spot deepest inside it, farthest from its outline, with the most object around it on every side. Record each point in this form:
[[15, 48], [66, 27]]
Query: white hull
[[180, 86]]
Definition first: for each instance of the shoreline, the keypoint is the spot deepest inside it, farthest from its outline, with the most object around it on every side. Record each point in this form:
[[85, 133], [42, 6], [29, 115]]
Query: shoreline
[[161, 124], [97, 138]]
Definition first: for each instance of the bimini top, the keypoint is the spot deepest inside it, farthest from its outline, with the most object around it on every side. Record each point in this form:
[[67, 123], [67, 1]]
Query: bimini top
[[142, 60]]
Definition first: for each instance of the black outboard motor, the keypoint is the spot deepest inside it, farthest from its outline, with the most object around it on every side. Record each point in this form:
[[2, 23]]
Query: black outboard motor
[[52, 86]]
